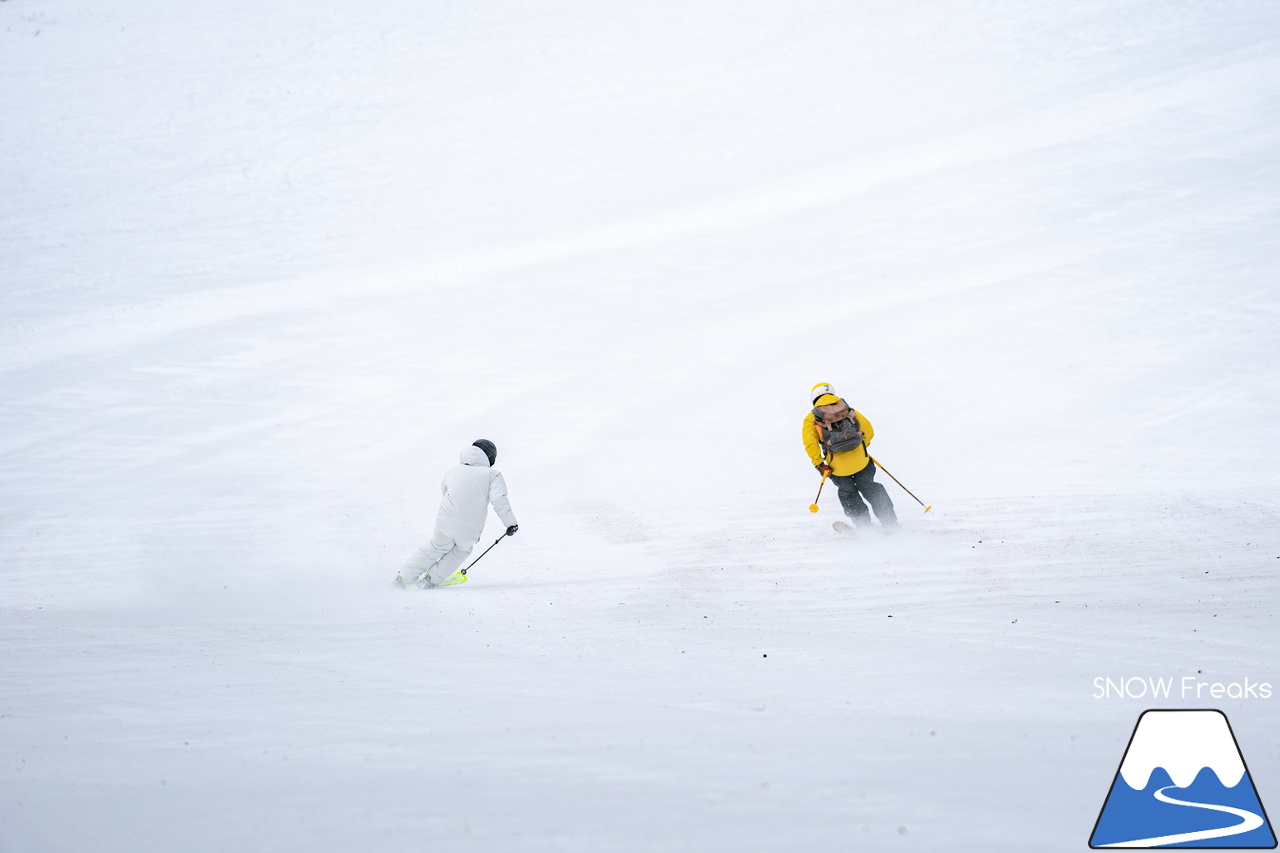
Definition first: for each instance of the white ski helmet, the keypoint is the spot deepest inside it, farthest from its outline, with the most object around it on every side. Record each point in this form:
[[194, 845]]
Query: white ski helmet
[[821, 389]]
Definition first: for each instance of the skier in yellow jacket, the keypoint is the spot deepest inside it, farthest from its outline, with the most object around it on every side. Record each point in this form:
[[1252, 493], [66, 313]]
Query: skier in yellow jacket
[[836, 438]]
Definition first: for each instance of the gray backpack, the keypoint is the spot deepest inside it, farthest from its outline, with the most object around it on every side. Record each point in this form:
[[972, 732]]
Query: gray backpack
[[837, 427]]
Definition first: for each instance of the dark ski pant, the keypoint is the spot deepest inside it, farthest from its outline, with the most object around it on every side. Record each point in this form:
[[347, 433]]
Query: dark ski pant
[[862, 486]]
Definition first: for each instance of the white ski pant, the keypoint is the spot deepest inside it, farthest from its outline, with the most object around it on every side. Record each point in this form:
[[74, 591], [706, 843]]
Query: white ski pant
[[439, 558]]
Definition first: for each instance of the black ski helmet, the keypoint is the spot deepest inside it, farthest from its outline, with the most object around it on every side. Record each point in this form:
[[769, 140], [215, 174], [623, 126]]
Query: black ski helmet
[[490, 449]]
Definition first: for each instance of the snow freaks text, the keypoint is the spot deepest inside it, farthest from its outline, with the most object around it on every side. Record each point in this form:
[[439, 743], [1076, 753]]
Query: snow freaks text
[[1185, 687]]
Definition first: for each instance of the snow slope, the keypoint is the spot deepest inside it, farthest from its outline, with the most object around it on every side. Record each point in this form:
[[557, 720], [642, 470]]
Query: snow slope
[[267, 267]]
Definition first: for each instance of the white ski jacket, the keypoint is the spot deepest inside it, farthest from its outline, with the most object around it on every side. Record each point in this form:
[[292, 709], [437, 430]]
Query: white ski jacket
[[468, 490]]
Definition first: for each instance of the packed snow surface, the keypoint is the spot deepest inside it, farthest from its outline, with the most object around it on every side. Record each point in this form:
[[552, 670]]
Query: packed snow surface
[[266, 268]]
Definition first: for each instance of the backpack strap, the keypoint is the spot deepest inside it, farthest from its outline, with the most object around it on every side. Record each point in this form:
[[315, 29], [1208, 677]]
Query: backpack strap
[[817, 427]]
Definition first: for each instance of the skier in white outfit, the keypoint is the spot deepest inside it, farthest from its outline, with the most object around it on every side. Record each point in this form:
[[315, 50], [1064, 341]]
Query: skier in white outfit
[[468, 489]]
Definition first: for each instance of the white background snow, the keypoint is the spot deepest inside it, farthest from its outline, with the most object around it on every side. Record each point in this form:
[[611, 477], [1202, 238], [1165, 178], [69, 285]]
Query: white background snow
[[267, 267]]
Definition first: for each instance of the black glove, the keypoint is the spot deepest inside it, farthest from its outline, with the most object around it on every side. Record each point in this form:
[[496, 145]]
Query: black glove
[[511, 531]]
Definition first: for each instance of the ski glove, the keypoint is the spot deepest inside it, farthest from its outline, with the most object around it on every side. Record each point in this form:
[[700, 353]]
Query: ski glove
[[824, 469], [511, 531]]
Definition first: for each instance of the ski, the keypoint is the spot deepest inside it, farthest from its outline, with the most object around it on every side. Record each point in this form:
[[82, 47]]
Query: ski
[[424, 583]]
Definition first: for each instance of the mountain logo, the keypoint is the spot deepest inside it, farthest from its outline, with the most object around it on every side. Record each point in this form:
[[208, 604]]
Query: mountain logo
[[1183, 783]]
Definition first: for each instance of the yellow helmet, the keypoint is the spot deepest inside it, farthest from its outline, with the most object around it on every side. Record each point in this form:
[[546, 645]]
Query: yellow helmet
[[821, 389]]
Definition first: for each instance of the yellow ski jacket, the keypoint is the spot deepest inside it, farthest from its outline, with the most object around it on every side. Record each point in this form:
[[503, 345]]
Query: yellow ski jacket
[[842, 464]]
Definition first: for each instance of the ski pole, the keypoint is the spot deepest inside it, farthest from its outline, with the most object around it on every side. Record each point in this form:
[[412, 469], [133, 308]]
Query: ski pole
[[826, 463], [899, 482], [486, 551], [813, 507]]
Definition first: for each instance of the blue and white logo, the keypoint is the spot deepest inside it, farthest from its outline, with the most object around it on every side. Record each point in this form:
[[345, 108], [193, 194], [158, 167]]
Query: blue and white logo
[[1183, 783]]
